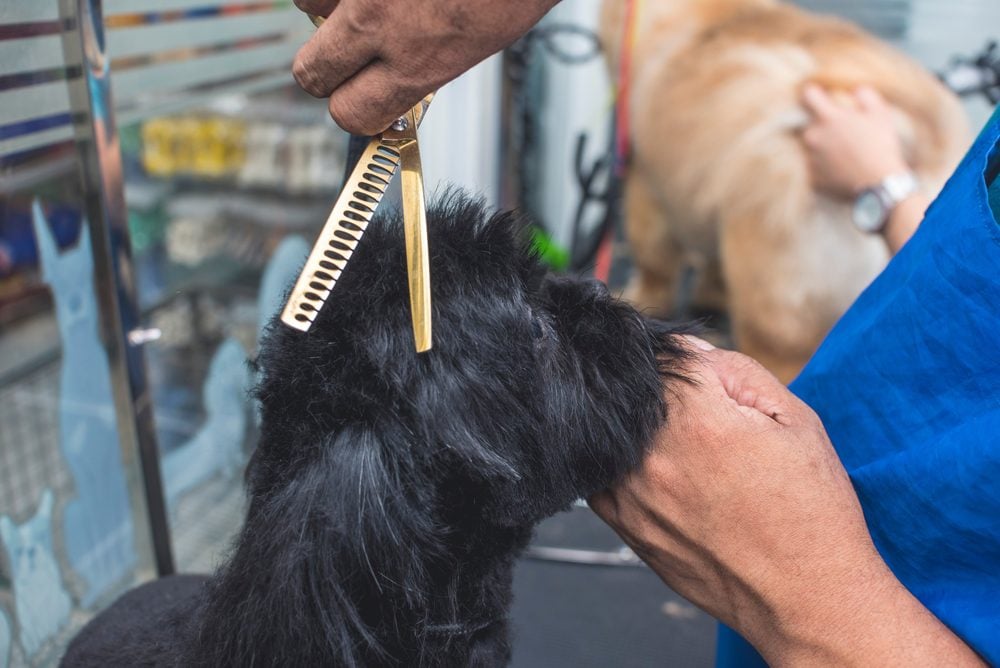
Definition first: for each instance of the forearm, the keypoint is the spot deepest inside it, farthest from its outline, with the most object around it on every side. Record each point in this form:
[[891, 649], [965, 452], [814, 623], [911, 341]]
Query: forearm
[[877, 622], [904, 221]]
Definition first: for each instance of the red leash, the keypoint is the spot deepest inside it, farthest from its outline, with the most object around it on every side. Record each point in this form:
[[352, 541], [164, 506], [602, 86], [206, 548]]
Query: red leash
[[605, 254]]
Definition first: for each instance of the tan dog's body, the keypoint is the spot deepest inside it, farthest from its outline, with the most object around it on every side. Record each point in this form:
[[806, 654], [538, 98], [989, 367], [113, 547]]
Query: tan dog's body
[[719, 182]]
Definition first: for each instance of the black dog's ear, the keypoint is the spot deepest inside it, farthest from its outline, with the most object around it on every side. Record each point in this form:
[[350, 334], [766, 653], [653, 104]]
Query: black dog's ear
[[351, 529]]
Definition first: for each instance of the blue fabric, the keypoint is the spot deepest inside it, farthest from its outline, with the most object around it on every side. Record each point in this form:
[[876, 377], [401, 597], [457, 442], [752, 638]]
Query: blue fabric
[[908, 387]]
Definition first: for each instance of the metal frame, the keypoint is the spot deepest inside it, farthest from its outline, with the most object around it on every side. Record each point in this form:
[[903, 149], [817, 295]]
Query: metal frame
[[96, 137]]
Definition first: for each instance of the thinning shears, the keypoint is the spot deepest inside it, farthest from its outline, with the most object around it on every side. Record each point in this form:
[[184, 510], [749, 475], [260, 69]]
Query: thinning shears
[[395, 149]]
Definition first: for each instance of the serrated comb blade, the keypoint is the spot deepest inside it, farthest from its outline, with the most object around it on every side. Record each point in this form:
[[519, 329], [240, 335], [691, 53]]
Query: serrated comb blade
[[344, 228]]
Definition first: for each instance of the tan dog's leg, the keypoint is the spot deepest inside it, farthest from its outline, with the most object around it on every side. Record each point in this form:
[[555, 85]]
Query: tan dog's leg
[[710, 294], [773, 319], [656, 256]]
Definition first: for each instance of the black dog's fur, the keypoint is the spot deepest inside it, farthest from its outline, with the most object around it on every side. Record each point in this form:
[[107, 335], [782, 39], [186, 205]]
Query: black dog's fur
[[391, 492]]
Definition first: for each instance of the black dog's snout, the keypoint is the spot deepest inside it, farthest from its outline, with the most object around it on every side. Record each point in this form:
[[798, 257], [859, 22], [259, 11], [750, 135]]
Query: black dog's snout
[[555, 285]]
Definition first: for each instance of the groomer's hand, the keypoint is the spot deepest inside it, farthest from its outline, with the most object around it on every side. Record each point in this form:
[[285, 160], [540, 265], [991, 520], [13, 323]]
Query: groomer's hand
[[375, 59], [743, 508], [852, 142]]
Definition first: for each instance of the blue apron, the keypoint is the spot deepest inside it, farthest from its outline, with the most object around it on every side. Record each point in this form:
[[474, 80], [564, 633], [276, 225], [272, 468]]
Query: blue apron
[[908, 387]]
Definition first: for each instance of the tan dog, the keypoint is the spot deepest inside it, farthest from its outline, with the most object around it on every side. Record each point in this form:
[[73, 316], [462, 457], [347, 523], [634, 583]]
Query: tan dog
[[718, 179]]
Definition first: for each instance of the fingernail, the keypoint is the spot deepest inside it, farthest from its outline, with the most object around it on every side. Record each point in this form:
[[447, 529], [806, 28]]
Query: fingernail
[[700, 344]]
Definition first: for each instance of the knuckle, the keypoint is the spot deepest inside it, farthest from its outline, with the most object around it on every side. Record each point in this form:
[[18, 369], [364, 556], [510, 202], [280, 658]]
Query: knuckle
[[811, 417], [370, 16], [362, 20], [658, 471], [349, 116], [740, 361], [303, 75]]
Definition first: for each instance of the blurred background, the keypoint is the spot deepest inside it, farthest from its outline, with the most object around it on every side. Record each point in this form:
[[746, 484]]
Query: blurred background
[[161, 181]]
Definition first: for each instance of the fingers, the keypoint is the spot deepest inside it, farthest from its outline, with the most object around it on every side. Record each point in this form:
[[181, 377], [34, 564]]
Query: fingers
[[752, 386], [824, 104], [316, 7], [341, 61], [726, 373], [697, 342], [870, 99], [818, 102], [372, 100], [813, 136], [709, 387], [336, 52]]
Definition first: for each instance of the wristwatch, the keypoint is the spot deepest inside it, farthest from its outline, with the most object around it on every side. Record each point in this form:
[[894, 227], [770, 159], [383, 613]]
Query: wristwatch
[[874, 205]]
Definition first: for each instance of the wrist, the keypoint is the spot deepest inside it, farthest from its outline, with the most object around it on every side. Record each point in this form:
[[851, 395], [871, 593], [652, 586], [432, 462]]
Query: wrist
[[874, 207], [873, 177], [904, 220], [836, 629], [788, 613], [860, 620]]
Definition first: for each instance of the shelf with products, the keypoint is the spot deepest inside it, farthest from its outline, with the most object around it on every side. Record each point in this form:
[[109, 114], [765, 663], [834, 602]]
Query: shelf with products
[[277, 143], [211, 191], [195, 238], [202, 228]]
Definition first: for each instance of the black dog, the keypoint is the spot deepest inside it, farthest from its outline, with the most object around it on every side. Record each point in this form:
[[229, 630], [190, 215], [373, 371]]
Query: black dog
[[391, 492]]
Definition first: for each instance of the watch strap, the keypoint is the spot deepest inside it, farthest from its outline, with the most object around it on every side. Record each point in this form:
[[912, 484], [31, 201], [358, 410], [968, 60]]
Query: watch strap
[[896, 187], [889, 192]]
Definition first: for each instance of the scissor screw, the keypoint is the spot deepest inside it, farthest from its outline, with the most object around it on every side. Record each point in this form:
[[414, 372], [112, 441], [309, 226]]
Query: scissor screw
[[400, 124]]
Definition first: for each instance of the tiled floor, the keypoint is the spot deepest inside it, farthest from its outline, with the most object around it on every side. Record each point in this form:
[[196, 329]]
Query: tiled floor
[[577, 616]]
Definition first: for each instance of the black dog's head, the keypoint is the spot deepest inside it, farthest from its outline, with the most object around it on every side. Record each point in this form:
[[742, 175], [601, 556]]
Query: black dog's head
[[538, 390], [390, 483]]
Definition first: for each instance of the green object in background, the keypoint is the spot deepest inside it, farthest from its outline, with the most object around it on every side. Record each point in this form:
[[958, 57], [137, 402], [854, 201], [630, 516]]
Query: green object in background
[[131, 139], [551, 253], [146, 228]]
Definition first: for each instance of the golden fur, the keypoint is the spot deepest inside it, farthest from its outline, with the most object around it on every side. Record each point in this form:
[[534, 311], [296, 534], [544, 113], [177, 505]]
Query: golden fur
[[718, 179]]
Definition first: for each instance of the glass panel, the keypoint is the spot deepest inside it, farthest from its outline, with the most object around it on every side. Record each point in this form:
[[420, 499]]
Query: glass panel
[[70, 534], [224, 200], [73, 528], [178, 55]]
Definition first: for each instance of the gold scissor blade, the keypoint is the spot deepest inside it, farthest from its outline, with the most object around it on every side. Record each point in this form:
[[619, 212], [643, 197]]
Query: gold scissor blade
[[335, 245], [417, 254]]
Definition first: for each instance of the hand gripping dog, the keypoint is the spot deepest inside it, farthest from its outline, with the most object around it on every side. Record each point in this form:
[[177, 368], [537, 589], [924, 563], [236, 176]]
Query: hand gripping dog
[[357, 202]]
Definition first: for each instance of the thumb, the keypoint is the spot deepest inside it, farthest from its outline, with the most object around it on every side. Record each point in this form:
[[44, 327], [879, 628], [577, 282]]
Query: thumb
[[604, 505]]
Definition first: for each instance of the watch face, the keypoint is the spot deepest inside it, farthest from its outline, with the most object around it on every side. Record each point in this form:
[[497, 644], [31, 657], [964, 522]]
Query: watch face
[[869, 213]]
